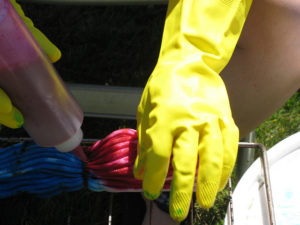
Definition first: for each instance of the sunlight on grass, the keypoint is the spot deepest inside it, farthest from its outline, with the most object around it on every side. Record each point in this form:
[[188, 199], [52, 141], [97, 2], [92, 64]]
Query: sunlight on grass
[[283, 123]]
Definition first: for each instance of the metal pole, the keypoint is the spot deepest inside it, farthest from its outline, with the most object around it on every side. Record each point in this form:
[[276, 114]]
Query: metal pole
[[230, 218], [267, 180], [111, 199], [245, 156], [99, 2]]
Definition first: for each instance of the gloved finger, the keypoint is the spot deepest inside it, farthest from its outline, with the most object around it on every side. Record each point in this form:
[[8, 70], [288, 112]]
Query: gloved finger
[[144, 142], [13, 119], [155, 160], [9, 115], [185, 156], [5, 103], [46, 45], [53, 53], [210, 163], [230, 134]]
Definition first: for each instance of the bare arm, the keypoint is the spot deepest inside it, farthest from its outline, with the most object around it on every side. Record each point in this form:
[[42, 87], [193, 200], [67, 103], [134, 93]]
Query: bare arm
[[264, 71]]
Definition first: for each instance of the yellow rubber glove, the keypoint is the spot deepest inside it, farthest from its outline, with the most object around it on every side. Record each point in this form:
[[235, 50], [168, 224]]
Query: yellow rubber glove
[[9, 115], [184, 111], [46, 45]]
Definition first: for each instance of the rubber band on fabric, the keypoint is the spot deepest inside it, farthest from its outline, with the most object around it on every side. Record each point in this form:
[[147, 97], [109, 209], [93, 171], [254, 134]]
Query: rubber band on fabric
[[45, 172]]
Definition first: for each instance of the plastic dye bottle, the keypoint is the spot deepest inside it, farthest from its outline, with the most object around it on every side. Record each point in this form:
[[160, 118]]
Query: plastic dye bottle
[[51, 115]]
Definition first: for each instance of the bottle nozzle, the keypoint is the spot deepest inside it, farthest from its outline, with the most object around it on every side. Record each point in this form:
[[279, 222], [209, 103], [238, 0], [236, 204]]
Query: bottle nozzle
[[72, 143]]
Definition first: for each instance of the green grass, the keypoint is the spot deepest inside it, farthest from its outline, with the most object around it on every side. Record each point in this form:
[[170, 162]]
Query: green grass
[[283, 123], [215, 215], [113, 45]]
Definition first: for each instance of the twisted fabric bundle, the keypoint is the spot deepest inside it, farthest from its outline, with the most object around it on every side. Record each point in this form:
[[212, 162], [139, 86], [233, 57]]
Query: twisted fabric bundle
[[26, 167], [111, 162], [45, 172]]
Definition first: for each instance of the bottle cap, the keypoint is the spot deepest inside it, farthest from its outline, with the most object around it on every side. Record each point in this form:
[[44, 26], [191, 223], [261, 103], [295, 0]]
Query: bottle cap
[[72, 143]]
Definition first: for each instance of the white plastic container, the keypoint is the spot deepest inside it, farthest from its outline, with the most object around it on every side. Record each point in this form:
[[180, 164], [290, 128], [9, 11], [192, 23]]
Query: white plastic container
[[51, 116], [249, 200]]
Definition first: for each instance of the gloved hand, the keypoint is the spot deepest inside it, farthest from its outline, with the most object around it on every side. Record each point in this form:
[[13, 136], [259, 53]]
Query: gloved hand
[[9, 115], [184, 112]]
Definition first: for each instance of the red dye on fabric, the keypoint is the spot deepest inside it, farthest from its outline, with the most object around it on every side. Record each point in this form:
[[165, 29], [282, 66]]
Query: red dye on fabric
[[111, 160]]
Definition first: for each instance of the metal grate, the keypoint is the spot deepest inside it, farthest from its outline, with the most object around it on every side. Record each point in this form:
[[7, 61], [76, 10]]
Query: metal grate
[[242, 145]]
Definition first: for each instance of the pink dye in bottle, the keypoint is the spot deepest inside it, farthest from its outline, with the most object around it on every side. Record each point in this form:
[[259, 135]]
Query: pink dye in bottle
[[51, 115]]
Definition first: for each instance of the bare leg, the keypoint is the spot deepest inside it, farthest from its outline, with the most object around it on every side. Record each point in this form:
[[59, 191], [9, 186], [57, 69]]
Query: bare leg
[[265, 69], [155, 216]]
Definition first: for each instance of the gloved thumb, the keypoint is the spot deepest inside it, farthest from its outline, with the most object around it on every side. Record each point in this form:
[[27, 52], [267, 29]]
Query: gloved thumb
[[9, 115]]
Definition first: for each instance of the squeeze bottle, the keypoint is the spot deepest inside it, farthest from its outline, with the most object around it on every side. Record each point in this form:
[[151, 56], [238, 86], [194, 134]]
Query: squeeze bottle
[[51, 115]]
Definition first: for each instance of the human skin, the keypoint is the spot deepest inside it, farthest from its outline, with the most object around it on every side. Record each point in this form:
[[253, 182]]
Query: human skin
[[264, 71]]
